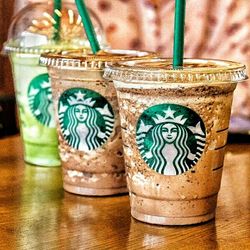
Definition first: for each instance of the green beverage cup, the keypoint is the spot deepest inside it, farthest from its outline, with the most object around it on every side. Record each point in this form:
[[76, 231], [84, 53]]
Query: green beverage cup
[[36, 115], [87, 118], [174, 129], [32, 33]]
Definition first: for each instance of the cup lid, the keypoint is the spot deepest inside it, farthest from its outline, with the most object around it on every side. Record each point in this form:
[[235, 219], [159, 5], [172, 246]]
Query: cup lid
[[161, 70], [84, 59], [33, 28]]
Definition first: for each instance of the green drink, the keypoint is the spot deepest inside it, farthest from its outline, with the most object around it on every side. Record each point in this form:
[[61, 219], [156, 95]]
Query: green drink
[[36, 114], [32, 33]]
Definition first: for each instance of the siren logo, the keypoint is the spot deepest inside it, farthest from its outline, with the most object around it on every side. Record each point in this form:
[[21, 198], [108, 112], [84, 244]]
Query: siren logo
[[86, 118], [171, 138], [40, 100]]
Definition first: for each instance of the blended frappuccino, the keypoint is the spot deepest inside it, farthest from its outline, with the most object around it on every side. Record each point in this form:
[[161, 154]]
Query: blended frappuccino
[[174, 129], [86, 112], [32, 33]]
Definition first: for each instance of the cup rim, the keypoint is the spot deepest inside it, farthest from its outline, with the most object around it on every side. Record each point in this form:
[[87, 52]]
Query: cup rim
[[160, 70], [11, 48], [84, 58]]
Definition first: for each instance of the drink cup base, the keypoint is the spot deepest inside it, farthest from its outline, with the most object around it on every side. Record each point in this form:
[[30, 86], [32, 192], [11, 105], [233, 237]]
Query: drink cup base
[[169, 221], [42, 163], [179, 212], [41, 155], [94, 191]]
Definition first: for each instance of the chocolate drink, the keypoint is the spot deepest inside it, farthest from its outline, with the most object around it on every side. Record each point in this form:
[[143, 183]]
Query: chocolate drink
[[88, 123], [174, 128]]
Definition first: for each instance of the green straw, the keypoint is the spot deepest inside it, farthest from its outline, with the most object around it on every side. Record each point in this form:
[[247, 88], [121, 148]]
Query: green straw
[[88, 26], [57, 18], [179, 26]]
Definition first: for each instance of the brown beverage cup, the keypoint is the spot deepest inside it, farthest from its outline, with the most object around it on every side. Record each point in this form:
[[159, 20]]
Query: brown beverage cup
[[174, 129], [88, 125]]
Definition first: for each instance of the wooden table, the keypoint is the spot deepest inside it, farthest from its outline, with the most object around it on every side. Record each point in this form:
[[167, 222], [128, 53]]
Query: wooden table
[[35, 212]]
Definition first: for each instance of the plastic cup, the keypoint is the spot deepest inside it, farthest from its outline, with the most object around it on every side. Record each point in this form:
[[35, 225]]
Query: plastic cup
[[87, 117], [30, 34], [174, 129]]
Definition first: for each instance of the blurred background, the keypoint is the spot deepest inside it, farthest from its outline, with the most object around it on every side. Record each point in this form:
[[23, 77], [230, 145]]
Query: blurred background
[[214, 29]]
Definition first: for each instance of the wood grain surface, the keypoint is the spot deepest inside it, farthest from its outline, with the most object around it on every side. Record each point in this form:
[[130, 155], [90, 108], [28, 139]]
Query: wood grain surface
[[35, 212]]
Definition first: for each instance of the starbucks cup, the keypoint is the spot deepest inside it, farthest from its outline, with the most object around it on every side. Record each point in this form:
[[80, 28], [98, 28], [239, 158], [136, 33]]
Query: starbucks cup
[[30, 34], [86, 112], [174, 129]]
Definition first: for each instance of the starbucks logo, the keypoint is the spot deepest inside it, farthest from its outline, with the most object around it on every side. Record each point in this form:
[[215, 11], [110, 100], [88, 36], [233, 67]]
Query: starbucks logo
[[40, 100], [86, 118], [171, 138]]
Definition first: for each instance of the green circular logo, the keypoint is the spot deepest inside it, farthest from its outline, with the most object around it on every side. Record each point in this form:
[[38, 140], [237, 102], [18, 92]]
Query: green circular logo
[[171, 138], [40, 100], [86, 118]]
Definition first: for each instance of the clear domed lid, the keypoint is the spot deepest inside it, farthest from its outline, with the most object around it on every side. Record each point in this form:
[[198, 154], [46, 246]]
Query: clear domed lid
[[33, 29]]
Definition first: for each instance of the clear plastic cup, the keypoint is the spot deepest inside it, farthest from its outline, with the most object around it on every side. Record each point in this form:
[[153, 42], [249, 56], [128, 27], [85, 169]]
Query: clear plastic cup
[[174, 129], [30, 34], [88, 124]]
